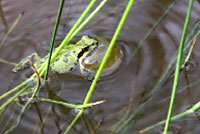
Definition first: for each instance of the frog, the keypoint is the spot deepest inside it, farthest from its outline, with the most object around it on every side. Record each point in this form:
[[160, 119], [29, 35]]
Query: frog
[[87, 54], [67, 60], [70, 57]]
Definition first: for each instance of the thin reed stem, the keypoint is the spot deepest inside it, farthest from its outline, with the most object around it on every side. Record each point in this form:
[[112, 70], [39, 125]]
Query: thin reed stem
[[54, 35], [11, 29], [178, 67]]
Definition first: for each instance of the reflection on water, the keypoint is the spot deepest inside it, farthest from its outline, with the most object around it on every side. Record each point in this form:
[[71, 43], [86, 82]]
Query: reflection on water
[[128, 89]]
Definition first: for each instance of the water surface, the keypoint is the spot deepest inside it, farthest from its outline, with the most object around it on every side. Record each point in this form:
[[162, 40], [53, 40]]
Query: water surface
[[128, 87]]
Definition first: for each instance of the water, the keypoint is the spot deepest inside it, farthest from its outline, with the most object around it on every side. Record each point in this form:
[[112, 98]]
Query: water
[[133, 81]]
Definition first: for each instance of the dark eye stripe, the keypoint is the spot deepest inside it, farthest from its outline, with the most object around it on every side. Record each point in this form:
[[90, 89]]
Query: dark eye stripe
[[85, 49]]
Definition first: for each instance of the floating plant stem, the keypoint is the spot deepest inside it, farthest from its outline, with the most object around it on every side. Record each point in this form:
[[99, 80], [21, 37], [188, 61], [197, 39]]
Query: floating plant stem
[[7, 62], [71, 105], [178, 67]]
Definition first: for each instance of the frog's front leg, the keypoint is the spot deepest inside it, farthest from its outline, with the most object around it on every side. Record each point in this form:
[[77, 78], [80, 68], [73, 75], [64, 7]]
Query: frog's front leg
[[24, 63]]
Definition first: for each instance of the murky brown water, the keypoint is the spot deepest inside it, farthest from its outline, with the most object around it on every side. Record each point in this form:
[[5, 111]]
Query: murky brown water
[[134, 80]]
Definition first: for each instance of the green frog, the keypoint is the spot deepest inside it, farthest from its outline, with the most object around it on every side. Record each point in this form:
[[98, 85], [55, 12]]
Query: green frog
[[86, 50]]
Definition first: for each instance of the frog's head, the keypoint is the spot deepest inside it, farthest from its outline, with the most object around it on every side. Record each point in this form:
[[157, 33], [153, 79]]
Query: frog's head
[[91, 59]]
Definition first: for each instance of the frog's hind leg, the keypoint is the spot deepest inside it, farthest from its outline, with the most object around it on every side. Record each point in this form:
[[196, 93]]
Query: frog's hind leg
[[24, 63]]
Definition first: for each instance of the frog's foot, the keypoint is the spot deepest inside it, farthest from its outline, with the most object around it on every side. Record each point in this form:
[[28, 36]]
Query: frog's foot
[[29, 89], [24, 63], [22, 100]]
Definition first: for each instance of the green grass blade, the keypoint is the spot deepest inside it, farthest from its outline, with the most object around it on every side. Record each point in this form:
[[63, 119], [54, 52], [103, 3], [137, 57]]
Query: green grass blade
[[78, 23], [12, 99], [6, 94], [62, 2], [178, 67], [108, 53]]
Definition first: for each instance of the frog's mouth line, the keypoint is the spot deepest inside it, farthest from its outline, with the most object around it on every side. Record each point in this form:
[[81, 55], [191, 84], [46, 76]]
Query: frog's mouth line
[[85, 49]]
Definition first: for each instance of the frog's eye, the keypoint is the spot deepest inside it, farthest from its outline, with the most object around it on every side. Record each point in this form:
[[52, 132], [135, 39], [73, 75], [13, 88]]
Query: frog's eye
[[86, 48]]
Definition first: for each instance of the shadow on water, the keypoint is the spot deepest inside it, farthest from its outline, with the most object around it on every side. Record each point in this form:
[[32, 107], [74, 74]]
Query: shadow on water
[[124, 91]]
